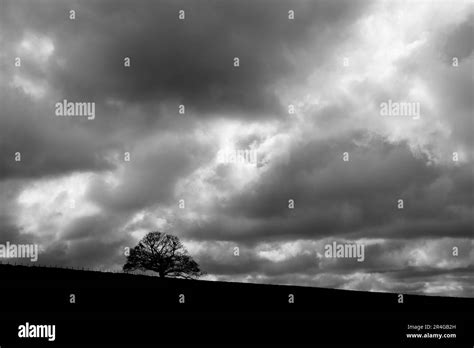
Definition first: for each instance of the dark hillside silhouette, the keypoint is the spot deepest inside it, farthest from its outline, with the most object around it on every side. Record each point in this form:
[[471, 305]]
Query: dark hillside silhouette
[[122, 304]]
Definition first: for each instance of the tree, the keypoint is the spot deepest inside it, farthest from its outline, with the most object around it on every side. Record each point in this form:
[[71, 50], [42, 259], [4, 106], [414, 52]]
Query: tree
[[163, 254]]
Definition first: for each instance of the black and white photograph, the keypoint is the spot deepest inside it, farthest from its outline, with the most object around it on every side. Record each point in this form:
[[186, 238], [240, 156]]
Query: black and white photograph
[[194, 171]]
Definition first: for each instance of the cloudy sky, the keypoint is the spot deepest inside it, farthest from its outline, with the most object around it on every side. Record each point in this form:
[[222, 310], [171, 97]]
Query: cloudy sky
[[305, 92]]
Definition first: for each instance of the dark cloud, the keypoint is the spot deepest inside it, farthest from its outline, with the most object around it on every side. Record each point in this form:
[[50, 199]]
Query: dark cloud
[[152, 174], [190, 61], [10, 232], [172, 62], [458, 42], [48, 146], [356, 198]]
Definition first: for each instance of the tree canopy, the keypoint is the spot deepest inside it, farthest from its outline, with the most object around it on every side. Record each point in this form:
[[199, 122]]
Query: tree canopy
[[163, 254]]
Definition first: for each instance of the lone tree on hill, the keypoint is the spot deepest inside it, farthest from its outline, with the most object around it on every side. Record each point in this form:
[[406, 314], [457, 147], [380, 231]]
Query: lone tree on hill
[[163, 254]]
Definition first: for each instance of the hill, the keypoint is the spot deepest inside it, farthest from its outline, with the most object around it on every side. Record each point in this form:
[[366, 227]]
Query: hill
[[114, 307]]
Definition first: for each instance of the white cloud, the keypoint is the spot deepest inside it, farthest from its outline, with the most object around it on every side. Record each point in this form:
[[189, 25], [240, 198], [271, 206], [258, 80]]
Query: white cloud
[[45, 207]]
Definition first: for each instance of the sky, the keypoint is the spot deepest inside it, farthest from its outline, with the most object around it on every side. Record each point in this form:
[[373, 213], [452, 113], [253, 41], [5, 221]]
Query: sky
[[305, 97]]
